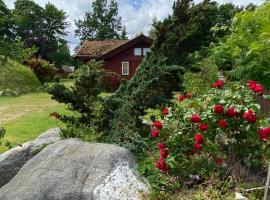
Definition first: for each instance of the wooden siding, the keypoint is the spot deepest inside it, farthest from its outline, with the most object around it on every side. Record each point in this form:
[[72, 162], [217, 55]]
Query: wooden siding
[[114, 64], [265, 104]]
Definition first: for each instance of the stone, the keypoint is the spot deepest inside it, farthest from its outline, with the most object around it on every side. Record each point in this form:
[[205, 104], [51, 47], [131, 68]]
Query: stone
[[75, 170], [13, 160], [239, 196]]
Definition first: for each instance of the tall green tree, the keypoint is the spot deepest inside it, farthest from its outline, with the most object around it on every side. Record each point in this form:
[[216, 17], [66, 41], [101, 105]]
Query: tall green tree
[[102, 23], [189, 28], [41, 27], [10, 46]]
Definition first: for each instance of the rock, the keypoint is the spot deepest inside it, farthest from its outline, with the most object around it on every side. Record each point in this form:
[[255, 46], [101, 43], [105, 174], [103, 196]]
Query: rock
[[13, 160], [239, 196], [75, 170]]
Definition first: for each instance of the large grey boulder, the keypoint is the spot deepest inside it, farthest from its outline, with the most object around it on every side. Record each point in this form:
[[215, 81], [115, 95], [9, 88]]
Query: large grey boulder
[[13, 160], [76, 170]]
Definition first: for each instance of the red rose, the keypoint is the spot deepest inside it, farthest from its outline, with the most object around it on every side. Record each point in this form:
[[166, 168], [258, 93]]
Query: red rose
[[203, 127], [188, 96], [161, 165], [165, 111], [252, 84], [161, 145], [219, 109], [163, 154], [181, 98], [198, 138], [250, 116], [259, 89], [231, 112], [219, 161], [264, 133], [154, 133], [197, 147], [158, 124], [223, 123], [218, 84], [195, 118]]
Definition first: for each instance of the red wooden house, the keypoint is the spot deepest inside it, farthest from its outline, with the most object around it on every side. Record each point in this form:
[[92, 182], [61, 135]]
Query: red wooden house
[[120, 56]]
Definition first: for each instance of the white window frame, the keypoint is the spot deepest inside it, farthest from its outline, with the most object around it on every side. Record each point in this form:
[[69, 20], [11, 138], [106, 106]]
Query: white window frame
[[145, 51], [135, 50], [123, 65]]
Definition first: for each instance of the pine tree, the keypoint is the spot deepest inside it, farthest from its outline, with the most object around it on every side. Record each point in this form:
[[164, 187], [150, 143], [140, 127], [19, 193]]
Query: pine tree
[[101, 24]]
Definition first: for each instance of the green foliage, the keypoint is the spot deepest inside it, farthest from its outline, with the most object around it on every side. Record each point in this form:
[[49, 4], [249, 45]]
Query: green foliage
[[40, 27], [10, 46], [102, 23], [17, 77], [246, 52], [2, 132], [199, 82], [117, 117], [189, 28]]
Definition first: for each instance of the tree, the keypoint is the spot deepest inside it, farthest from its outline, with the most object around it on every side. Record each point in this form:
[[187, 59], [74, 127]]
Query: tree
[[10, 45], [101, 24], [41, 27], [189, 29]]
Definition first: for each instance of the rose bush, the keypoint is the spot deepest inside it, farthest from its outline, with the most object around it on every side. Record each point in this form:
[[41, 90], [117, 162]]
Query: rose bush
[[201, 134]]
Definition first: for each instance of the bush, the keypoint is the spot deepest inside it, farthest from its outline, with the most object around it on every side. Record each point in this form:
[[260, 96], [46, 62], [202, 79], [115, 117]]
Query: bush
[[221, 131], [43, 69]]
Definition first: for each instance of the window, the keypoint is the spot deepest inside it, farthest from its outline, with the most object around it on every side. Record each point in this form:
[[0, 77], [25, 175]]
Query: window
[[125, 68], [145, 51], [137, 51]]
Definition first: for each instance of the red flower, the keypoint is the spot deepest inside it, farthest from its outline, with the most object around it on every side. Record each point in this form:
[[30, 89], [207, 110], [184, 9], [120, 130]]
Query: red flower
[[161, 165], [250, 116], [231, 112], [158, 124], [223, 123], [252, 84], [198, 138], [195, 118], [154, 133], [218, 84], [161, 145], [203, 127], [197, 147], [264, 133], [163, 154], [219, 109], [219, 161], [181, 98], [259, 89], [188, 96], [255, 87], [165, 111]]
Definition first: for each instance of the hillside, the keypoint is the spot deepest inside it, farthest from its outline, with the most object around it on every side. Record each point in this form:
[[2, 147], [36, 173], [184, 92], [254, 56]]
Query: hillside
[[17, 77]]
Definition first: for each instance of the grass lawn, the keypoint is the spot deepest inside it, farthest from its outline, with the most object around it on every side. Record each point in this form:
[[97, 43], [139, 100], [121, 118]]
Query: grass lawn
[[27, 116]]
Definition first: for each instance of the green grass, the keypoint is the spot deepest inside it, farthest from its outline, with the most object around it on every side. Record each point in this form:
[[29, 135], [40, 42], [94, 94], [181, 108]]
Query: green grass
[[27, 116], [17, 77]]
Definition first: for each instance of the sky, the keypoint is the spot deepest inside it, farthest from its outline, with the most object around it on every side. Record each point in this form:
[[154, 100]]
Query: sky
[[137, 15]]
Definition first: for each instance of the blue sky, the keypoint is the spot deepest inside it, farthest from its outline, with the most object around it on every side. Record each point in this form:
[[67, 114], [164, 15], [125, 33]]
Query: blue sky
[[137, 15]]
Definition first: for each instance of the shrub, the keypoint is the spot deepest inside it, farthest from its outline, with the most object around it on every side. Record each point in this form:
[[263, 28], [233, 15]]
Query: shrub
[[217, 131], [43, 69]]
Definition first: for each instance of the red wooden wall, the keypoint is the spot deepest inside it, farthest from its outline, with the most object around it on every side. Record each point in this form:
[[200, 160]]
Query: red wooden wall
[[114, 64]]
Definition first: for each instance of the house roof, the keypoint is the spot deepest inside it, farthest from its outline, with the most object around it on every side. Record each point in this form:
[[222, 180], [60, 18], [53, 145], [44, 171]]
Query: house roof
[[107, 48]]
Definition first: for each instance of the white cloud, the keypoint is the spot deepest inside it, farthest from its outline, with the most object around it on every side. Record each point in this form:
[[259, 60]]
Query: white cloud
[[137, 15]]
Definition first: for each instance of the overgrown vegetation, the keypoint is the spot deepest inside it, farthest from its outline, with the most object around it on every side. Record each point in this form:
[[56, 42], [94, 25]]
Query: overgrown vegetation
[[16, 79]]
